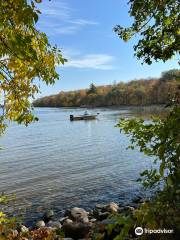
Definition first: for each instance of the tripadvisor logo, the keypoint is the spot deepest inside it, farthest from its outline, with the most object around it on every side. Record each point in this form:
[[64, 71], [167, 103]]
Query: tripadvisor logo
[[139, 231]]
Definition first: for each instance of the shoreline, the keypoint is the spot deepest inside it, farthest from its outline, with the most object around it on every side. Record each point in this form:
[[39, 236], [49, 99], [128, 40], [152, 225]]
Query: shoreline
[[162, 106], [77, 223]]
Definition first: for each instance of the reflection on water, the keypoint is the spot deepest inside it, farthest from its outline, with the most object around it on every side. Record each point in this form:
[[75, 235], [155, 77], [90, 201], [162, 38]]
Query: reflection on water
[[55, 163]]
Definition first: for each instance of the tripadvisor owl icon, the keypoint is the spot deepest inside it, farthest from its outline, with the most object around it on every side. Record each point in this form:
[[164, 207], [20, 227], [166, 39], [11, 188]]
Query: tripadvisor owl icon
[[138, 231]]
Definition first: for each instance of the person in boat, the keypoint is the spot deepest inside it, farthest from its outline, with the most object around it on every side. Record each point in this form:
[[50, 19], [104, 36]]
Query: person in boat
[[86, 113]]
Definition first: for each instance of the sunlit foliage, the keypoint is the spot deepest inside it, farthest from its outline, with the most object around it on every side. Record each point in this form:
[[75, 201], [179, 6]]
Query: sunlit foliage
[[26, 57], [156, 22]]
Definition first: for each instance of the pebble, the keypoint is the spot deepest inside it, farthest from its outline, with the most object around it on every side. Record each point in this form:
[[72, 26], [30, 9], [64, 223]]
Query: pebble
[[113, 207], [24, 229], [101, 206], [40, 224], [68, 221], [93, 220]]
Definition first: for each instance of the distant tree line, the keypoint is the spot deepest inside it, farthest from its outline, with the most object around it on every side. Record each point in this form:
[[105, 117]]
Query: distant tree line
[[136, 92]]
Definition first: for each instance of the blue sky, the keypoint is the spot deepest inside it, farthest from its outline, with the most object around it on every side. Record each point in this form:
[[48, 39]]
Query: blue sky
[[83, 30]]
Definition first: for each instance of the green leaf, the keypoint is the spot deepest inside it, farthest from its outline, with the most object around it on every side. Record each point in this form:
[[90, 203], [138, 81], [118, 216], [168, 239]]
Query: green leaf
[[169, 180], [161, 169]]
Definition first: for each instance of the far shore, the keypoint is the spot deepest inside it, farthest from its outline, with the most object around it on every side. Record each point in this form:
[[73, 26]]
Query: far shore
[[155, 106]]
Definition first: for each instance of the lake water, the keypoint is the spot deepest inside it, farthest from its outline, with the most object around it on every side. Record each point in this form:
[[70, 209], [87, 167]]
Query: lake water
[[55, 163]]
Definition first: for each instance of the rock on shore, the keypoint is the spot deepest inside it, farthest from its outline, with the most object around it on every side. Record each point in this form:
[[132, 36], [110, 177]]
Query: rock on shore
[[76, 223]]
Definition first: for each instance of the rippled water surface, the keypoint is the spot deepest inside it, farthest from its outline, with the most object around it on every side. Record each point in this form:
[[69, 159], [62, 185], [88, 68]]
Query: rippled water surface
[[55, 163]]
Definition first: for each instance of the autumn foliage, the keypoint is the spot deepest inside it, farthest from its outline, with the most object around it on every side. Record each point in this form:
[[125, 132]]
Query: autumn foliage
[[137, 92]]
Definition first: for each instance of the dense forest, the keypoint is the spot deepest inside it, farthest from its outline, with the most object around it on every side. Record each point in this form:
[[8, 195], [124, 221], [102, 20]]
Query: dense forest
[[136, 92]]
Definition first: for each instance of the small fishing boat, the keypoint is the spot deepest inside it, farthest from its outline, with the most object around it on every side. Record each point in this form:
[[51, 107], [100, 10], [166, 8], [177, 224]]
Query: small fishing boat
[[85, 116]]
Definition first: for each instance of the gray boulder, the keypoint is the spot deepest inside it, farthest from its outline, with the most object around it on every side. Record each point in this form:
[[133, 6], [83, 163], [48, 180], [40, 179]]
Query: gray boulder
[[101, 207], [48, 215], [84, 219], [78, 214], [54, 224], [76, 230], [100, 215], [63, 219]]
